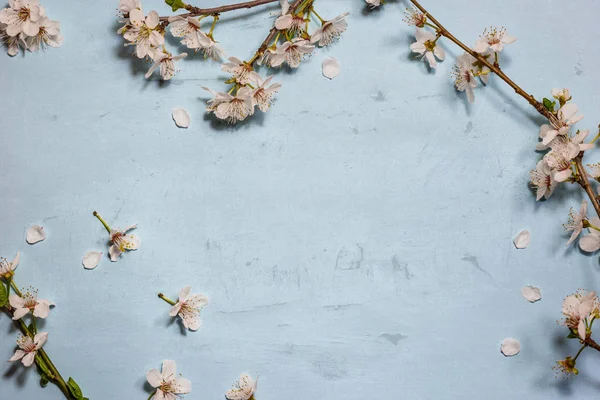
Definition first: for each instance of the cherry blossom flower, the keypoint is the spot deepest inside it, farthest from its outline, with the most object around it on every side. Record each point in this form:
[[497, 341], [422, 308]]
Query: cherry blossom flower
[[591, 242], [22, 16], [231, 108], [576, 220], [12, 43], [559, 159], [122, 242], [562, 95], [29, 348], [243, 389], [189, 307], [291, 52], [566, 367], [594, 170], [565, 118], [267, 56], [329, 30], [493, 38], [464, 79], [49, 34], [7, 268], [143, 32], [414, 17], [125, 6], [166, 62], [188, 29], [294, 24], [168, 385], [29, 303], [262, 95], [542, 179], [577, 308], [241, 71], [579, 138], [427, 47], [209, 48]]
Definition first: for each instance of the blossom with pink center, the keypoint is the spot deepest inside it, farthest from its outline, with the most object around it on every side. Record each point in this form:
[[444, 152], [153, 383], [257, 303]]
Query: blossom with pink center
[[189, 307], [29, 348], [29, 303], [576, 309], [493, 38]]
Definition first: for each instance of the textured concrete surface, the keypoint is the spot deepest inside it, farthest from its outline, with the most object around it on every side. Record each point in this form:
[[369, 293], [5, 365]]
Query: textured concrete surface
[[355, 242]]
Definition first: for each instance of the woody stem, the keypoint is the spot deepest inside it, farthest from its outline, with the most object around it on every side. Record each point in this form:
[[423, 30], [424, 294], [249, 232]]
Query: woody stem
[[584, 182], [196, 11]]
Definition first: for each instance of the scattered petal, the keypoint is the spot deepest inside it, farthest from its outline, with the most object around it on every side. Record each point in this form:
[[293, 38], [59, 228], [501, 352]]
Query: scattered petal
[[523, 239], [181, 118], [331, 68], [531, 293], [92, 259], [510, 347], [35, 234]]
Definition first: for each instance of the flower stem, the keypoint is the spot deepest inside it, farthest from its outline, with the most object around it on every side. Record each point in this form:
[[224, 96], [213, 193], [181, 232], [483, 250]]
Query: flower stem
[[214, 24], [312, 10], [162, 296], [585, 183], [195, 11], [103, 221], [579, 352]]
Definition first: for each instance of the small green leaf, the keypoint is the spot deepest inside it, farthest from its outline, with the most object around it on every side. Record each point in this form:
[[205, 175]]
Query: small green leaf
[[549, 104], [3, 295], [75, 389], [573, 335], [175, 4], [44, 381]]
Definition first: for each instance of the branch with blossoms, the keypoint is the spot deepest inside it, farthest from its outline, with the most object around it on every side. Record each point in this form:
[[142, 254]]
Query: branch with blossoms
[[287, 43], [24, 305]]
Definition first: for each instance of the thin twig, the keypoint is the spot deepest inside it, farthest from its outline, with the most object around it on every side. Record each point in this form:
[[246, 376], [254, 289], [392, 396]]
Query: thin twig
[[196, 12], [584, 182]]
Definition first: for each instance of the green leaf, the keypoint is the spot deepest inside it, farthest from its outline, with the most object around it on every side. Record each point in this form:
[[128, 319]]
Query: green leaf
[[75, 389], [44, 381], [573, 335], [549, 104], [3, 295], [175, 4]]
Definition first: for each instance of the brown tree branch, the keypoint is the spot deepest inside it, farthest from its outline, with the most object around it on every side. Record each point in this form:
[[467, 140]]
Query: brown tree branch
[[196, 12]]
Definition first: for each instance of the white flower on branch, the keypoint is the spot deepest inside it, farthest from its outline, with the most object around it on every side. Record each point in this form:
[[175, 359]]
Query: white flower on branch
[[189, 307], [294, 24], [122, 242], [464, 79], [242, 72], [143, 32], [166, 62], [12, 43], [243, 389], [330, 30], [22, 16], [414, 17], [427, 47], [231, 108], [576, 309], [125, 6], [262, 95], [49, 34], [193, 37], [559, 159], [542, 179], [591, 242], [291, 52], [576, 220], [7, 268], [493, 38], [167, 383], [267, 56], [565, 118], [29, 348], [29, 303], [562, 95]]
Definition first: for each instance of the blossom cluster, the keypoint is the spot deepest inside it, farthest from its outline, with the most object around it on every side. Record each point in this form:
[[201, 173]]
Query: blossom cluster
[[24, 25]]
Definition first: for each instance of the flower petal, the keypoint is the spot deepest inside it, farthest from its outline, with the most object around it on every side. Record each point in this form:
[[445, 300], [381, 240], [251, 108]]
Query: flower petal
[[531, 293], [35, 234], [154, 378], [28, 359], [181, 118], [510, 347], [91, 259], [169, 369], [590, 243], [17, 356], [183, 386], [114, 252], [40, 339], [331, 68], [522, 240]]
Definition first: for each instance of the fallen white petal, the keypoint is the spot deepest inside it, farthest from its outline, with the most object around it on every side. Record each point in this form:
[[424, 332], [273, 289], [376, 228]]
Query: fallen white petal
[[531, 293], [510, 347], [91, 259], [331, 68], [522, 240], [35, 234], [181, 118]]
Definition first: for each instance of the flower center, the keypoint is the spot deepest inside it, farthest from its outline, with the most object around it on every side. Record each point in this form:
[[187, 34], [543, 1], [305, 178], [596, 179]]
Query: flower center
[[24, 14]]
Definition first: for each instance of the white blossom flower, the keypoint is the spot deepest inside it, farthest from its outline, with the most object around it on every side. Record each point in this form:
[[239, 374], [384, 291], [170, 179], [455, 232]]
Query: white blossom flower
[[22, 16], [330, 30], [591, 242], [565, 118], [414, 17], [7, 268], [559, 159], [29, 303], [593, 171], [189, 307], [231, 108], [562, 95], [243, 389], [125, 6], [144, 32], [577, 308], [427, 47], [267, 56], [464, 79], [493, 38], [542, 179], [122, 242], [49, 34], [294, 24], [262, 95], [241, 71], [291, 52], [579, 138], [29, 348], [168, 385], [166, 62], [12, 43], [576, 220]]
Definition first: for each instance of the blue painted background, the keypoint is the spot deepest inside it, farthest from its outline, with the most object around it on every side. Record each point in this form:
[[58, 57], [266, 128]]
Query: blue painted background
[[355, 242]]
